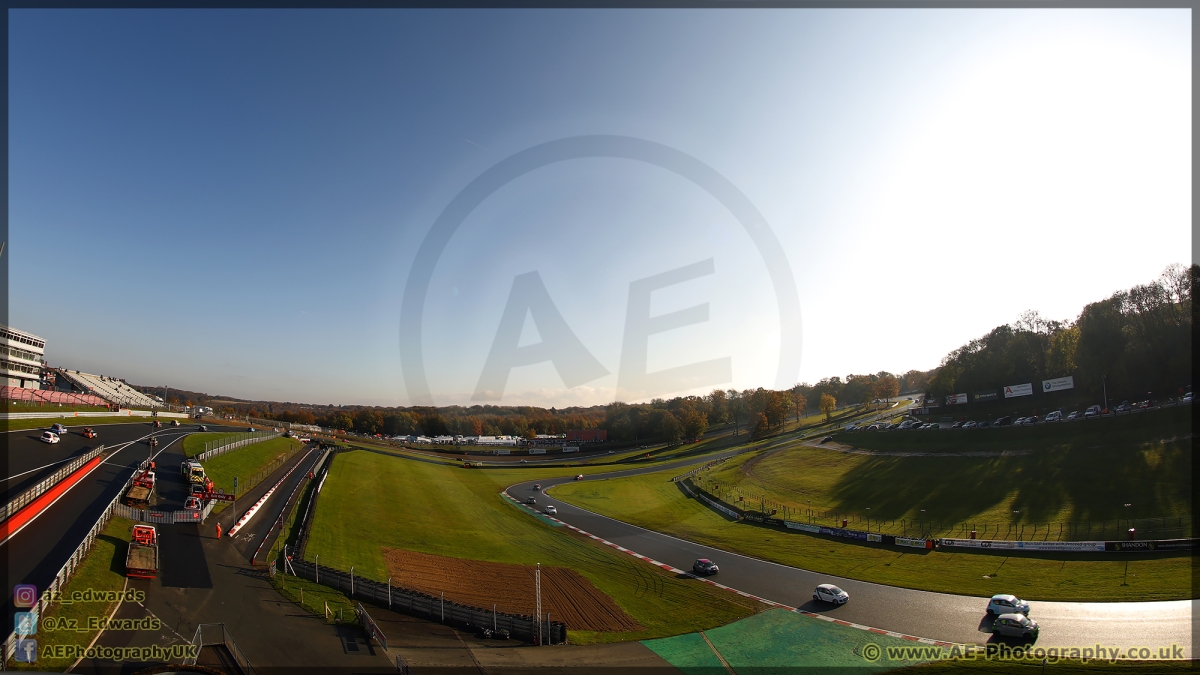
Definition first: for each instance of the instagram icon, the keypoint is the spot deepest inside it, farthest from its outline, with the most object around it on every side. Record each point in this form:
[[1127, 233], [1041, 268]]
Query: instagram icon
[[25, 595]]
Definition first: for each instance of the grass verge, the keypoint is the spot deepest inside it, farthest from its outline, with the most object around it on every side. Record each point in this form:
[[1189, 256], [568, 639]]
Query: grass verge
[[246, 464], [1076, 480], [459, 512], [652, 501], [103, 569]]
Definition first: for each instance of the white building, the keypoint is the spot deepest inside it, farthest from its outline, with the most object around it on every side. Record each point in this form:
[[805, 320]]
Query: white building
[[22, 357]]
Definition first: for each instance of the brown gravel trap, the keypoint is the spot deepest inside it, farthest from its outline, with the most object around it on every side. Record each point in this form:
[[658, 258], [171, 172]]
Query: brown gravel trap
[[566, 594]]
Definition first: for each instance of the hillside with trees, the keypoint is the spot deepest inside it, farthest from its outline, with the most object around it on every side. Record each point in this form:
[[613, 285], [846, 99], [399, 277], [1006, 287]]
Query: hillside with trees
[[1137, 341]]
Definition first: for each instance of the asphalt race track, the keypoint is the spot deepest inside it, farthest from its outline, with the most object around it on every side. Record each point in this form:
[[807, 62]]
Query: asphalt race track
[[938, 616], [36, 553]]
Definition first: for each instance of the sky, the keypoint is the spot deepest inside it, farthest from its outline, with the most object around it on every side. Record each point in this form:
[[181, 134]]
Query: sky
[[235, 201]]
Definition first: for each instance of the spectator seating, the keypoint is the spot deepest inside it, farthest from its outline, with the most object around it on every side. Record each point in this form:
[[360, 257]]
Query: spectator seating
[[110, 389]]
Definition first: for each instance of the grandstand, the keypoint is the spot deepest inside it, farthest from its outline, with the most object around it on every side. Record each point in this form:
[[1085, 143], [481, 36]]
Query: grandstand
[[109, 389]]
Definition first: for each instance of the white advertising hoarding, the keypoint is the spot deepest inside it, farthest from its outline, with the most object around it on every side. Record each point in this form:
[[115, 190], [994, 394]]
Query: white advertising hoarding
[[956, 399], [1058, 383], [1015, 390]]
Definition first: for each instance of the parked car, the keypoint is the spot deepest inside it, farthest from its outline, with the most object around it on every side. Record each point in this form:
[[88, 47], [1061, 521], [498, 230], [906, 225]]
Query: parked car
[[1055, 416], [827, 439], [1075, 415], [831, 594], [1124, 407], [1005, 421], [1006, 603], [58, 429], [971, 424], [550, 510], [1093, 411], [705, 566], [1015, 625], [1187, 398], [957, 425], [49, 437], [983, 424]]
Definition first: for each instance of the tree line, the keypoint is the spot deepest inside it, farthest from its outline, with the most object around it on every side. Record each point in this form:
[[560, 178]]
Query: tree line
[[1135, 343]]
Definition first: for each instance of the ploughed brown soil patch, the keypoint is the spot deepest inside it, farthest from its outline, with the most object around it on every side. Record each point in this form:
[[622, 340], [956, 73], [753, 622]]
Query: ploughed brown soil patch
[[566, 594]]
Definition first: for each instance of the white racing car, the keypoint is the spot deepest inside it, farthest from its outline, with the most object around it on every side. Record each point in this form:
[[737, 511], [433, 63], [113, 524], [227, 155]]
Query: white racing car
[[49, 437]]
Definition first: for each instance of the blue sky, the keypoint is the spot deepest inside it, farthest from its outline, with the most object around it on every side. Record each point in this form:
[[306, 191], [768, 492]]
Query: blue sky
[[231, 201]]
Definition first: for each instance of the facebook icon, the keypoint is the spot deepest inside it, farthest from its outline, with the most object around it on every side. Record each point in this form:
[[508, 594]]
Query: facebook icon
[[25, 623], [26, 651]]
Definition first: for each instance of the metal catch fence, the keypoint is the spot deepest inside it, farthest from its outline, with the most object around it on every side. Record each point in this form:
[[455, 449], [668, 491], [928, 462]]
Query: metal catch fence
[[224, 445]]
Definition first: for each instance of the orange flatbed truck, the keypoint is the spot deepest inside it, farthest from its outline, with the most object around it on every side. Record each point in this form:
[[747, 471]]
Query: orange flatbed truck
[[141, 562]]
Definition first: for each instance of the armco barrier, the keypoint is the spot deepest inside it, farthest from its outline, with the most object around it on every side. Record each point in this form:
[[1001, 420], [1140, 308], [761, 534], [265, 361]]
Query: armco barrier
[[427, 606], [50, 481]]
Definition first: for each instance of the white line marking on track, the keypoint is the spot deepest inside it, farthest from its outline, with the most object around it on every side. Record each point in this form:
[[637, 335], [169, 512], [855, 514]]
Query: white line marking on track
[[744, 594]]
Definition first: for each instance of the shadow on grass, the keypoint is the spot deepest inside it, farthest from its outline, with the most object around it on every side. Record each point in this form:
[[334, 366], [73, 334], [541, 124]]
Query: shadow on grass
[[1094, 468], [120, 547]]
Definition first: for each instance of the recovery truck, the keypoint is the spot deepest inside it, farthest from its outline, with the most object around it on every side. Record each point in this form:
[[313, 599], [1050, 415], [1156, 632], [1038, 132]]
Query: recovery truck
[[141, 562], [194, 472], [142, 487]]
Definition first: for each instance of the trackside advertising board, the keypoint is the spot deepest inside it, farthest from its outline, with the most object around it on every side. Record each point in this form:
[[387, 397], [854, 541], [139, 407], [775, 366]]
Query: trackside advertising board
[[1026, 545], [1153, 545], [1058, 384], [956, 399], [804, 527], [987, 395], [1014, 390]]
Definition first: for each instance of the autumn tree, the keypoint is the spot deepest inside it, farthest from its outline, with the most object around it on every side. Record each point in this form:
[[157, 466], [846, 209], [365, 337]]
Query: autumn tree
[[779, 403], [761, 426], [828, 405], [799, 402], [670, 428], [887, 387]]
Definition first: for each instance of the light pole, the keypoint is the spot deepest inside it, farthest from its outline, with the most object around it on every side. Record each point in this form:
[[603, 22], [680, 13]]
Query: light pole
[[922, 522], [1127, 513], [1104, 384], [868, 519]]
